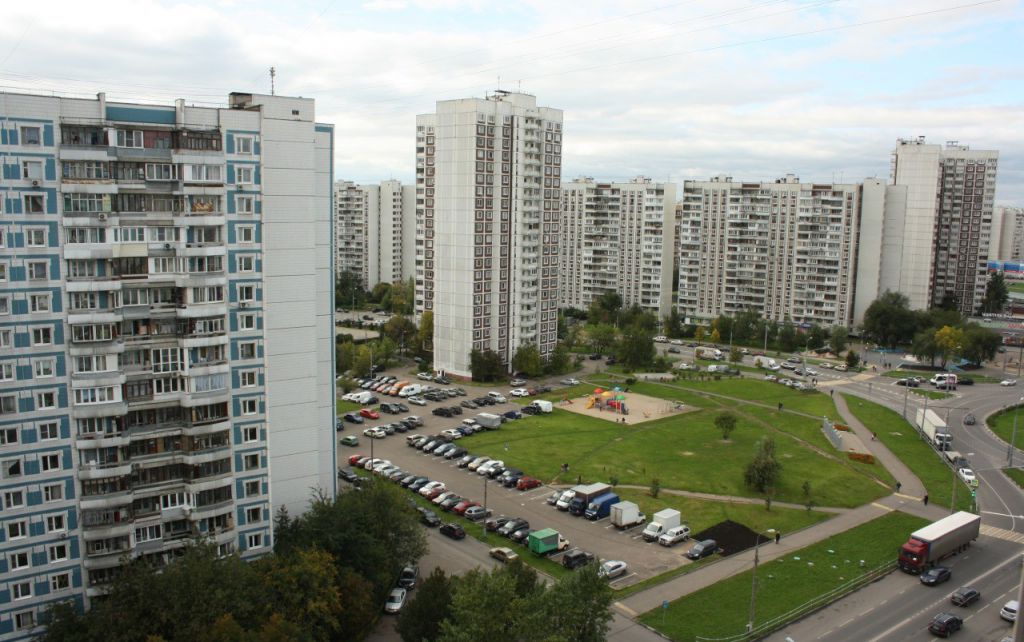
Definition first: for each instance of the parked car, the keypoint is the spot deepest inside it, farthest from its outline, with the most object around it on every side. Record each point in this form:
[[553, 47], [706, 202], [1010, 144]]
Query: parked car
[[520, 536], [512, 414], [468, 404], [553, 498], [965, 596], [369, 413], [407, 579], [1008, 382], [455, 453], [512, 526], [503, 554], [495, 523], [1009, 611], [395, 601], [570, 382], [945, 624], [510, 478], [612, 569], [353, 417], [429, 518], [476, 513], [349, 440], [441, 411], [517, 382], [702, 549], [463, 506], [451, 502], [519, 392], [466, 460], [453, 530], [527, 483], [417, 401], [936, 575], [576, 558], [347, 474]]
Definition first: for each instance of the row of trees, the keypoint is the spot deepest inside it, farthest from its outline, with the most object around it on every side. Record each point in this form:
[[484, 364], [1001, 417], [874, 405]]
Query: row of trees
[[395, 297], [399, 337], [326, 580], [508, 603]]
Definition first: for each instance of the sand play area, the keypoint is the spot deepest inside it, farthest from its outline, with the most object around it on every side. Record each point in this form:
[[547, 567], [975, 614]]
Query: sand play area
[[618, 406]]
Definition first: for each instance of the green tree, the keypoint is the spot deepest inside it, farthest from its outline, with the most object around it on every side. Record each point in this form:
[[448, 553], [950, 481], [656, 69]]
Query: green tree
[[838, 339], [401, 297], [360, 605], [486, 606], [605, 308], [698, 334], [303, 588], [816, 337], [401, 330], [735, 355], [636, 347], [924, 346], [788, 340], [764, 470], [949, 341], [980, 344], [578, 608], [527, 359], [348, 290], [380, 292], [560, 360], [716, 336], [485, 365], [888, 321], [421, 618], [425, 337], [601, 336], [852, 359], [344, 356], [673, 324], [996, 294], [726, 423]]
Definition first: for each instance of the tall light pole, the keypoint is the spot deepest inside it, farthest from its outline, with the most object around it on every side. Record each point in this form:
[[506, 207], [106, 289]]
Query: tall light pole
[[483, 522], [753, 581], [1013, 436]]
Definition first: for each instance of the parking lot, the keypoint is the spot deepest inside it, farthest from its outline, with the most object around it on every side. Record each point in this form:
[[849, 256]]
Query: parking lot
[[599, 537]]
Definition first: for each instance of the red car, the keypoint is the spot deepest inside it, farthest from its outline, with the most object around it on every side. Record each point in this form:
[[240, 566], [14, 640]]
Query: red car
[[354, 458], [369, 413], [526, 483], [434, 493], [461, 507]]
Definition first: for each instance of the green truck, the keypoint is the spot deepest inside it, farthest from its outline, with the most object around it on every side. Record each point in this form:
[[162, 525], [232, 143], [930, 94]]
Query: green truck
[[547, 541]]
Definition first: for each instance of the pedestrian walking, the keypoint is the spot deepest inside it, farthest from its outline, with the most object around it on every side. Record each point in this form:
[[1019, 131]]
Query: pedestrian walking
[[874, 436], [832, 393], [898, 486], [925, 499], [780, 406], [778, 536]]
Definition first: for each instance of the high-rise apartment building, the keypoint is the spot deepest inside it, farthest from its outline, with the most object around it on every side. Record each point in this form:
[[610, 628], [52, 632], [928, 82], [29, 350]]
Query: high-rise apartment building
[[947, 227], [617, 237], [786, 249], [488, 174], [1007, 234], [166, 334], [375, 231]]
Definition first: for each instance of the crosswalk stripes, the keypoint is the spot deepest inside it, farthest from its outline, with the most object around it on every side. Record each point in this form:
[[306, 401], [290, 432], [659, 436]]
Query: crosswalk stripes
[[1002, 533]]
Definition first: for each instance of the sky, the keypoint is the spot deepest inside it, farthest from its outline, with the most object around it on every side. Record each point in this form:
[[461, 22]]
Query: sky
[[673, 90]]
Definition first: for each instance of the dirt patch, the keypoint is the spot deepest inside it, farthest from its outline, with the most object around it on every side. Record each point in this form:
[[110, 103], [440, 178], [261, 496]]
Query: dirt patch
[[731, 537], [686, 453], [640, 408]]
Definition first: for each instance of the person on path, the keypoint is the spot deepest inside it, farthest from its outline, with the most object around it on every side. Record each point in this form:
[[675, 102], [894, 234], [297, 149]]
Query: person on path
[[780, 406], [925, 499], [778, 536], [898, 486], [832, 393]]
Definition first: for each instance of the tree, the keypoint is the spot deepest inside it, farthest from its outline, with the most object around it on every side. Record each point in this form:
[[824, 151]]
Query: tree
[[560, 360], [996, 294], [673, 324], [716, 336], [838, 339], [735, 355], [698, 334], [788, 341], [636, 347], [852, 359], [924, 346], [380, 292], [949, 341], [764, 470], [348, 290], [486, 606], [726, 423], [344, 356], [888, 321], [808, 500], [425, 336], [359, 605], [816, 336], [980, 344], [401, 330], [485, 365], [421, 618], [950, 301], [303, 588], [402, 296], [605, 308], [579, 607], [602, 336], [527, 359]]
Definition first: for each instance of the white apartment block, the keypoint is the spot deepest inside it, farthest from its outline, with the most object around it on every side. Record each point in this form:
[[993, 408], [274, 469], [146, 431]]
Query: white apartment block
[[374, 231], [947, 226], [786, 249], [166, 334], [617, 237], [1008, 234], [488, 174]]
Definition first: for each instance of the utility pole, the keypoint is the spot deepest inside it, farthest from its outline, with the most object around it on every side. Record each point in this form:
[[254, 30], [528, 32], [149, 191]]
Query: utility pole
[[273, 72]]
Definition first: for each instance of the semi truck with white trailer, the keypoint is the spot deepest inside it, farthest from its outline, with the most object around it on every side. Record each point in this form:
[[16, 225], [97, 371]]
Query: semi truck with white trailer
[[929, 545], [935, 429]]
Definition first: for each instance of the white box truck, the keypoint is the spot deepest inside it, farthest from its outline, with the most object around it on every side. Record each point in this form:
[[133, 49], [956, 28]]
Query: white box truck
[[766, 362], [662, 521], [542, 405], [627, 515], [709, 353], [488, 420], [935, 429]]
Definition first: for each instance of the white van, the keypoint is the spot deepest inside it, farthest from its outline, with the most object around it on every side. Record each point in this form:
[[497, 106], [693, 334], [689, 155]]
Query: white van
[[410, 390], [497, 396], [362, 397]]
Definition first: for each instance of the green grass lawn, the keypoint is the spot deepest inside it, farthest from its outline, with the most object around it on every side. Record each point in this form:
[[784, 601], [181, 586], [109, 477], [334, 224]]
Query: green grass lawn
[[722, 609], [1016, 474], [1017, 286], [684, 451], [347, 406], [1001, 424], [902, 439]]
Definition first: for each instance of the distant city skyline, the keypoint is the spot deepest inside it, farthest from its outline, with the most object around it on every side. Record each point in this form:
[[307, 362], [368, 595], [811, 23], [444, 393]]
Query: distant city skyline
[[754, 89]]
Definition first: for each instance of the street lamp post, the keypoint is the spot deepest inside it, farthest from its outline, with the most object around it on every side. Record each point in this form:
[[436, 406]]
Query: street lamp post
[[1013, 436], [483, 522], [753, 581]]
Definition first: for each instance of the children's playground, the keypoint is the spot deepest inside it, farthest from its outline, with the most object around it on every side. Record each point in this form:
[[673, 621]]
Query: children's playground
[[618, 405]]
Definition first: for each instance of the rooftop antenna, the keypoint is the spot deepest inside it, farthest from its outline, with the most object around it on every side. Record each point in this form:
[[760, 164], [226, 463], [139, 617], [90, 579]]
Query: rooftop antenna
[[520, 85], [499, 83], [273, 72]]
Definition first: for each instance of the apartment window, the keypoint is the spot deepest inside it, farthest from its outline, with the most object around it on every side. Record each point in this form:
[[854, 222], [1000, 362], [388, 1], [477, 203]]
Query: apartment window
[[30, 136], [252, 488], [129, 138], [49, 431], [24, 620], [8, 405], [246, 234], [49, 462], [251, 461], [53, 493], [21, 590], [37, 270], [55, 524], [6, 373], [246, 293], [43, 368], [243, 175], [5, 304], [32, 170], [255, 541], [247, 378], [14, 499], [246, 263], [247, 321], [60, 582], [8, 436], [243, 144], [148, 533], [3, 273], [42, 336], [249, 406], [17, 561], [39, 303], [161, 172], [35, 237], [247, 350], [34, 204], [17, 530], [245, 204], [253, 515], [45, 400], [250, 434]]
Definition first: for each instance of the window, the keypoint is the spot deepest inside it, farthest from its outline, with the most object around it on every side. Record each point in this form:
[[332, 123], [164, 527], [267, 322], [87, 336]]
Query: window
[[245, 204], [47, 399], [24, 620], [253, 515], [35, 237], [8, 436], [250, 434], [10, 468], [251, 461], [243, 144], [247, 378], [53, 493], [6, 372], [30, 136], [161, 172], [21, 590], [49, 462], [32, 170], [42, 336], [49, 431], [247, 321], [243, 175], [37, 270], [252, 488], [58, 553], [129, 138], [8, 405], [246, 263], [246, 234], [14, 499], [246, 293], [255, 541], [43, 368], [55, 524], [34, 204], [17, 530], [5, 304], [39, 303], [247, 350], [60, 582], [3, 272], [148, 533], [249, 406]]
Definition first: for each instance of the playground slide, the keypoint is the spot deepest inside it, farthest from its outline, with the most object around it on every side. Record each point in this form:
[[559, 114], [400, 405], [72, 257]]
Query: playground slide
[[590, 403]]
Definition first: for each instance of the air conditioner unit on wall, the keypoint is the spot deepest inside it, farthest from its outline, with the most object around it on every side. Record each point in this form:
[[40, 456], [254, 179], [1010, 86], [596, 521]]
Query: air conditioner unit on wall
[[35, 183], [102, 216]]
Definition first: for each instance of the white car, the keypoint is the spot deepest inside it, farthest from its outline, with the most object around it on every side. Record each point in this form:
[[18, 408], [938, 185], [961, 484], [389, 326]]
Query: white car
[[519, 392], [375, 433], [452, 433], [840, 368], [570, 382], [826, 365], [429, 486], [968, 476], [497, 396], [676, 342], [612, 569], [674, 535], [770, 377], [660, 339], [489, 466], [396, 600], [517, 382], [417, 401], [685, 366], [811, 372], [1009, 611], [424, 376], [1008, 382], [478, 462]]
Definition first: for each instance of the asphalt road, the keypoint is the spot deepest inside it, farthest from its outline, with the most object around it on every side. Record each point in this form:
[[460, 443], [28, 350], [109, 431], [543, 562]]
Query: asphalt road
[[899, 607]]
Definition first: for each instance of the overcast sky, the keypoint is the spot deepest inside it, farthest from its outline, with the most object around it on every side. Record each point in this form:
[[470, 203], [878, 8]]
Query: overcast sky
[[670, 89]]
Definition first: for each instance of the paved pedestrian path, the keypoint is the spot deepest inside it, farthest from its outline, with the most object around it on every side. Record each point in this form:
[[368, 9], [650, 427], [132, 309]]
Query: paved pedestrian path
[[732, 499]]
